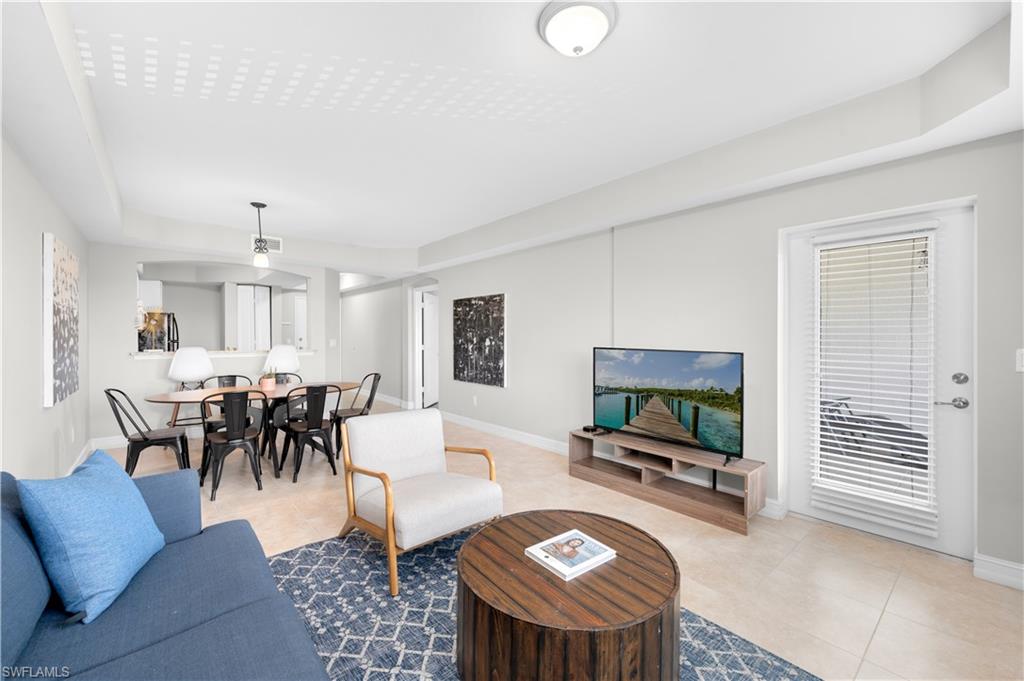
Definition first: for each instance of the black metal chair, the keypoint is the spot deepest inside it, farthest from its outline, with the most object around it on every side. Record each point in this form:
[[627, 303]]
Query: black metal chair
[[224, 381], [144, 436], [315, 423], [277, 417], [339, 416], [239, 432], [227, 381], [213, 424]]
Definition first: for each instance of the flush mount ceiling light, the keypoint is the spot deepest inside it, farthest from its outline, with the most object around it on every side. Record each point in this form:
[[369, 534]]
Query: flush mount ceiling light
[[259, 246], [576, 28]]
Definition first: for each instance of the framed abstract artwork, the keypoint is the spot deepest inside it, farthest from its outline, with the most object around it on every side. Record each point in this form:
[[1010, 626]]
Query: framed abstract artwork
[[60, 321], [478, 331]]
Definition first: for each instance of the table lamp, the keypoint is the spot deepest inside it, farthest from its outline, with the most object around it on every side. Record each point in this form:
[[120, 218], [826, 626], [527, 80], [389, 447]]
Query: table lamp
[[282, 359]]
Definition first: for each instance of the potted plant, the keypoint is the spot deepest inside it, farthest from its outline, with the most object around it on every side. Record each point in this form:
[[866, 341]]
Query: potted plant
[[268, 380]]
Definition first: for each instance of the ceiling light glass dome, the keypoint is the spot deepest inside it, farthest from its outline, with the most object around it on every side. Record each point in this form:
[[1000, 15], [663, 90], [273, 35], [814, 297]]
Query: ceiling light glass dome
[[576, 28]]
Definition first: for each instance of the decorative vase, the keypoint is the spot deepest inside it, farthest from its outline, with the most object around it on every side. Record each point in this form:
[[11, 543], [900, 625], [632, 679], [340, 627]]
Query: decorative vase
[[268, 383]]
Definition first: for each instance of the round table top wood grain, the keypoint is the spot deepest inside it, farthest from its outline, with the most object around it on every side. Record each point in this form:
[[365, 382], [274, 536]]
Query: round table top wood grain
[[637, 583], [518, 621], [279, 392]]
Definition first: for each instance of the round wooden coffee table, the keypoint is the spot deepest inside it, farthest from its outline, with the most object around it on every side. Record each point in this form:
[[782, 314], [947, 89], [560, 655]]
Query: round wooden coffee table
[[518, 621]]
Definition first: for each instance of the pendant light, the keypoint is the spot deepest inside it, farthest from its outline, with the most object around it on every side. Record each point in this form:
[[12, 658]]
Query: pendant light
[[259, 247]]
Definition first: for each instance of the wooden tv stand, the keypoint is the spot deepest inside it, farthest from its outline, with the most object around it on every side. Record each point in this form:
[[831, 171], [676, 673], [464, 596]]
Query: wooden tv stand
[[640, 468]]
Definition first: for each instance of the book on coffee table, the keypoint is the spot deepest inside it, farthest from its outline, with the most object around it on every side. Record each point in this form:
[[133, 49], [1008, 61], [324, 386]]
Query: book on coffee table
[[570, 554]]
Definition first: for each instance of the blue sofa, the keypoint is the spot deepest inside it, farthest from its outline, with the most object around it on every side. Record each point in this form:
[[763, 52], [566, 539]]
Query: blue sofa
[[204, 607]]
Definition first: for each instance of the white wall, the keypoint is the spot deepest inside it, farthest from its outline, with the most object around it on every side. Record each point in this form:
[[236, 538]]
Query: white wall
[[729, 253], [707, 279], [557, 308], [372, 337], [37, 441], [199, 311], [112, 298]]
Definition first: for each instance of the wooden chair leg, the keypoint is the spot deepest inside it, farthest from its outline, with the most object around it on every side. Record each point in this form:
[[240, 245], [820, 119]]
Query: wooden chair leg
[[347, 527], [392, 564]]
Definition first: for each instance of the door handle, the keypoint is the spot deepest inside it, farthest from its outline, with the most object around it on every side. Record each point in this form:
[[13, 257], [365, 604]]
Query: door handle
[[958, 402]]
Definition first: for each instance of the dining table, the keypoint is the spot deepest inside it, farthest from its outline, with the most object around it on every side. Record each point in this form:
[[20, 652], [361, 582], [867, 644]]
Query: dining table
[[275, 395], [278, 392]]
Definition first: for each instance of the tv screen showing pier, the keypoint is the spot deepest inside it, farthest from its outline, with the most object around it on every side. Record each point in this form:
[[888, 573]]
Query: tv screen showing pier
[[691, 398]]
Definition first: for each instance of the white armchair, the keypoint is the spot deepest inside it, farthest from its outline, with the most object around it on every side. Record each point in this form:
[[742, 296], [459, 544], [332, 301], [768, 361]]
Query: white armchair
[[398, 488]]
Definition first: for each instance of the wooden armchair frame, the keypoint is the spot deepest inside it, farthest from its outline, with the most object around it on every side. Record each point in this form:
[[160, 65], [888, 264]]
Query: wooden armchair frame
[[387, 534]]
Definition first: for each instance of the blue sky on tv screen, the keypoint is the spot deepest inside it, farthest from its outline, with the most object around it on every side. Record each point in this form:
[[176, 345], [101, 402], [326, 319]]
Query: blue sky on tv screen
[[667, 369]]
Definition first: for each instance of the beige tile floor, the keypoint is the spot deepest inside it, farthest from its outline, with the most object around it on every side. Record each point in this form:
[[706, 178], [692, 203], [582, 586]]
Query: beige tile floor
[[840, 603]]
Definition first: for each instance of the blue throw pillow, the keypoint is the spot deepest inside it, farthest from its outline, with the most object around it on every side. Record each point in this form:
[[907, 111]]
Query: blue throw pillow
[[93, 531]]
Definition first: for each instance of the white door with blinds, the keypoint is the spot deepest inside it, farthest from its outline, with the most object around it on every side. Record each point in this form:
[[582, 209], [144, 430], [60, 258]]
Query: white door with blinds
[[881, 425]]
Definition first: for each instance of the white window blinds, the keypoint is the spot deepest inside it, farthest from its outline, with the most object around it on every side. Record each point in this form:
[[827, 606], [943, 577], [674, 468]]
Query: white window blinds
[[871, 393]]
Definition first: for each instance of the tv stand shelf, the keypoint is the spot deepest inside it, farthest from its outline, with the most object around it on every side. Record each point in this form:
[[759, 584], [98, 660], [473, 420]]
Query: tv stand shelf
[[641, 467]]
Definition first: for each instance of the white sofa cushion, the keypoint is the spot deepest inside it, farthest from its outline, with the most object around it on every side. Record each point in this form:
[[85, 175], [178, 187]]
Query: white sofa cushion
[[431, 506], [402, 444]]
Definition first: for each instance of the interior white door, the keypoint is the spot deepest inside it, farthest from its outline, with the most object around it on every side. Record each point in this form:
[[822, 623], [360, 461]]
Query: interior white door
[[895, 454], [431, 356]]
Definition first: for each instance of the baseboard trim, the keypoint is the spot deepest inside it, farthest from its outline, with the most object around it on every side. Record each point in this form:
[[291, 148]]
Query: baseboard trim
[[108, 442], [510, 433], [91, 445], [774, 509], [87, 449], [402, 404], [1000, 571]]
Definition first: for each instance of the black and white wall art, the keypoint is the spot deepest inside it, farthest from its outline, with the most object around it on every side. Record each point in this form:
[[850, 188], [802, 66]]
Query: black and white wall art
[[478, 330], [60, 321]]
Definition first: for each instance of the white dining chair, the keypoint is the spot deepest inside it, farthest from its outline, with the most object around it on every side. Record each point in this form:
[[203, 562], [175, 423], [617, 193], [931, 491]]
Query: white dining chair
[[190, 366]]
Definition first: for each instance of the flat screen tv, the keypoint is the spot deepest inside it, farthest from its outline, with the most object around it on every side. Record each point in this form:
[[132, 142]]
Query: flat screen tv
[[681, 396]]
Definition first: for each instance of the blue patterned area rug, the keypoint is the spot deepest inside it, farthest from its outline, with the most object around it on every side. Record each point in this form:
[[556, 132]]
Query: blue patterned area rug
[[341, 588]]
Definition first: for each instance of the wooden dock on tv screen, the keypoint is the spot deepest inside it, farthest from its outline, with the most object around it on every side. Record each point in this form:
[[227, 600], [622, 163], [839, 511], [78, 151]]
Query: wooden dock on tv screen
[[656, 419]]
